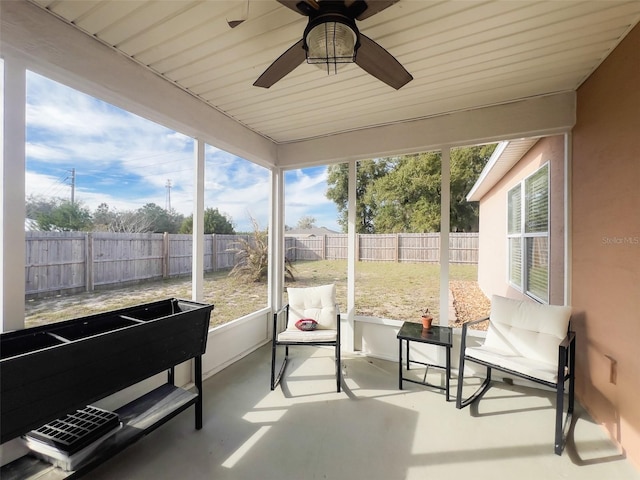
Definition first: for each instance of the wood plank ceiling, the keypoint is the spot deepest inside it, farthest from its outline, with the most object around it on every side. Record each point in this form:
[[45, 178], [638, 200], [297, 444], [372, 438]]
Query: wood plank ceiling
[[462, 55]]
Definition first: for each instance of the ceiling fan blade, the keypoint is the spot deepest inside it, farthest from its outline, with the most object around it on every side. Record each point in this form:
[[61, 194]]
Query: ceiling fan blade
[[375, 6], [295, 6], [234, 23], [376, 61], [283, 65], [243, 17]]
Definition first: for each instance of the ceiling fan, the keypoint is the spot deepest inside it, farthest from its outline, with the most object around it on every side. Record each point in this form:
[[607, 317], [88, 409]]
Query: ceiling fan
[[332, 39]]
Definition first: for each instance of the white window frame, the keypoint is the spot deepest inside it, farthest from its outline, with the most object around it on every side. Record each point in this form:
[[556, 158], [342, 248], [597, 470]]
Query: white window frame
[[522, 235]]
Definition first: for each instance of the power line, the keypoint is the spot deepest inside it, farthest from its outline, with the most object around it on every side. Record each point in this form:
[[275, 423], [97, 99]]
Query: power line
[[55, 186], [53, 189]]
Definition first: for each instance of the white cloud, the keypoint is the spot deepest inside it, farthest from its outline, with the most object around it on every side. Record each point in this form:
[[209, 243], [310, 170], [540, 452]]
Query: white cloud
[[125, 161], [45, 152], [305, 195]]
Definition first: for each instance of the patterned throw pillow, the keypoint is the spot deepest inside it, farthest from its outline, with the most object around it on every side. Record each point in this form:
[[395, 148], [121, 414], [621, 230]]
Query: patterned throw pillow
[[306, 324]]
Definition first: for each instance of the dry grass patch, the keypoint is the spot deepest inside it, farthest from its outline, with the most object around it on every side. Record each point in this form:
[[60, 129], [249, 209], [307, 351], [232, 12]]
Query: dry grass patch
[[385, 290]]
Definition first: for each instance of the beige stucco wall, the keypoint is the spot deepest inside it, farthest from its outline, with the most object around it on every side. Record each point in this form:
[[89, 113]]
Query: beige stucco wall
[[606, 243], [492, 264]]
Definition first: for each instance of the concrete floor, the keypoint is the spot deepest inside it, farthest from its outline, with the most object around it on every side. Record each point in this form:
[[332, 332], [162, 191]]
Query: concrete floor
[[372, 430]]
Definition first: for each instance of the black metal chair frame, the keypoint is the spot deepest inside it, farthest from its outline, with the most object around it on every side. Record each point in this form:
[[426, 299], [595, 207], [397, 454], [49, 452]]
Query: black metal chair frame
[[275, 379], [566, 363]]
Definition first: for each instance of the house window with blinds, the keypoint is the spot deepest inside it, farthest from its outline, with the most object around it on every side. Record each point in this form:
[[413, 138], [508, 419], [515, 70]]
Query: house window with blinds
[[528, 235]]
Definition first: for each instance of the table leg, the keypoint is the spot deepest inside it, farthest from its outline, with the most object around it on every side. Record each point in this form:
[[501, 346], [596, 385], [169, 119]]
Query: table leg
[[408, 355], [448, 367], [400, 364], [198, 381]]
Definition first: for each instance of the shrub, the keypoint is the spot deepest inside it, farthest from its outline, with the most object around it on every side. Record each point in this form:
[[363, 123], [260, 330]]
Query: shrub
[[252, 257]]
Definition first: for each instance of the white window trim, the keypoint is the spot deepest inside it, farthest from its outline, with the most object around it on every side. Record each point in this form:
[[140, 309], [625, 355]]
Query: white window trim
[[522, 235]]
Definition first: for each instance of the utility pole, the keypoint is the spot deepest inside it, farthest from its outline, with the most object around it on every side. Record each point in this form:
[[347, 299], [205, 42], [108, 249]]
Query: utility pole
[[167, 200], [73, 185]]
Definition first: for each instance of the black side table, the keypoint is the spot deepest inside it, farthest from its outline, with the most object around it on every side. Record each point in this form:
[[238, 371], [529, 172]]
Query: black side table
[[441, 336]]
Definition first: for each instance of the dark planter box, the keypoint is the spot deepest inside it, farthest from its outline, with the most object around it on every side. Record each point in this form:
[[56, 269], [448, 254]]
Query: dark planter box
[[51, 370]]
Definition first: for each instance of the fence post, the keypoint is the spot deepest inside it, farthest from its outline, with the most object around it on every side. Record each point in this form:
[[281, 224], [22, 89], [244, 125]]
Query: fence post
[[397, 247], [165, 255], [214, 252], [88, 262], [324, 247], [357, 247], [290, 252]]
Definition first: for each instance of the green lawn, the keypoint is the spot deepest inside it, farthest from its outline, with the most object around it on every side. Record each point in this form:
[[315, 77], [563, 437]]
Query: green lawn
[[388, 290]]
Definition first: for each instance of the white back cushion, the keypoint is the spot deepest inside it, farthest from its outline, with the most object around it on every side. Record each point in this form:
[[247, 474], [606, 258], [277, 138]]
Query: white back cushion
[[527, 328], [318, 303]]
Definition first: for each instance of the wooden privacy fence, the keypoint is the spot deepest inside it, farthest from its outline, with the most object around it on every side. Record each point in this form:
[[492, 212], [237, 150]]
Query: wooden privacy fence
[[400, 247], [71, 262]]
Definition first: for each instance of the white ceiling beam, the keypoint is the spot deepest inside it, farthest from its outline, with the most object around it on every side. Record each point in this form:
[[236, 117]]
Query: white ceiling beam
[[540, 116]]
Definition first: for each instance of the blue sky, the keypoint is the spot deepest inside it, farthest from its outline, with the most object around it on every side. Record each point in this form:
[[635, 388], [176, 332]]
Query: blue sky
[[125, 161]]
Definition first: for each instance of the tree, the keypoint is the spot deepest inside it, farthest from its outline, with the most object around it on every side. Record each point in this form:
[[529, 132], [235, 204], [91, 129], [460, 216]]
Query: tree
[[39, 205], [103, 218], [407, 198], [306, 222], [367, 172], [159, 219], [338, 190], [121, 221], [65, 216], [402, 194], [466, 166], [214, 222], [130, 221]]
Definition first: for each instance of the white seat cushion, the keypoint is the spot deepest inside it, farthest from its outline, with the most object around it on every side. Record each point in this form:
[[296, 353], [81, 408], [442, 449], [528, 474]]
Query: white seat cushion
[[540, 370]]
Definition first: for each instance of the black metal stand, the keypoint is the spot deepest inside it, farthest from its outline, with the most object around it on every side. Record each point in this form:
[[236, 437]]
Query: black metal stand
[[566, 361], [275, 379], [139, 418], [439, 336]]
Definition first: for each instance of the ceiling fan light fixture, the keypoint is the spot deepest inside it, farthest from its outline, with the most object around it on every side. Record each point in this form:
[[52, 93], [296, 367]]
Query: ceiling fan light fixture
[[331, 39], [330, 45]]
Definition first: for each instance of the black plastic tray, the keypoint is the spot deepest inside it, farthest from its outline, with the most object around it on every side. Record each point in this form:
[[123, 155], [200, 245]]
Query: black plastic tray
[[77, 430]]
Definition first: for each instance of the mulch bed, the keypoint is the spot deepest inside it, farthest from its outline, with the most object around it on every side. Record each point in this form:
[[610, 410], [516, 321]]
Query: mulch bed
[[470, 303]]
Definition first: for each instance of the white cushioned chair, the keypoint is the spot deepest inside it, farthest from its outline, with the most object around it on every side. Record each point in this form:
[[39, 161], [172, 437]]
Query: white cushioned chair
[[530, 341], [318, 304]]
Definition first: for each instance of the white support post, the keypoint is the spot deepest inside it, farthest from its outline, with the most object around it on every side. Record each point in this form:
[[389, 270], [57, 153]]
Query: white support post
[[349, 331], [276, 240], [445, 224], [197, 261], [12, 207]]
